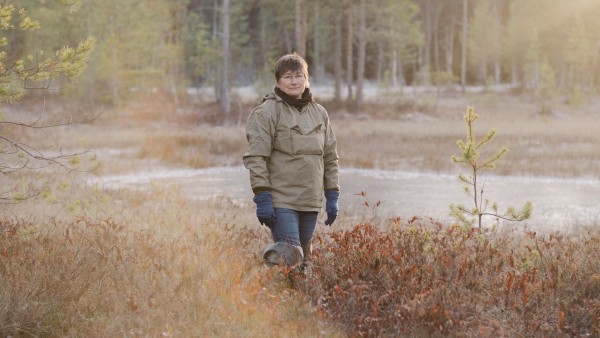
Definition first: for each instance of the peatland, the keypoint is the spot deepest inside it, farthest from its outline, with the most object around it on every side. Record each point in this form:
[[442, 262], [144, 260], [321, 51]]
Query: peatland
[[81, 259]]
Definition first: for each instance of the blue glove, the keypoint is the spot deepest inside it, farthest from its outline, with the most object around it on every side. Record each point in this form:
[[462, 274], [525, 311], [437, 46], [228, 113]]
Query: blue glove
[[331, 206], [264, 208]]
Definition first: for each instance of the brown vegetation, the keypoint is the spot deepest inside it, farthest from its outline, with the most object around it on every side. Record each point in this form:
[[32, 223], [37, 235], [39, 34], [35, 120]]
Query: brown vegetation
[[82, 260], [156, 269], [422, 279]]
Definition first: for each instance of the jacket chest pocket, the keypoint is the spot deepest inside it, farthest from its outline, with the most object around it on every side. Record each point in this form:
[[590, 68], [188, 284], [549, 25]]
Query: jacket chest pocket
[[306, 141]]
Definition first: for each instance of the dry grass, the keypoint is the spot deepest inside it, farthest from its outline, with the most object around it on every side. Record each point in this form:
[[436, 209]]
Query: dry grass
[[396, 134], [202, 147], [560, 145], [557, 148], [159, 265], [82, 261]]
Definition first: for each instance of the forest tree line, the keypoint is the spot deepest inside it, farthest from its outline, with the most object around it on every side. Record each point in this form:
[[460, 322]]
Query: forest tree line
[[548, 47]]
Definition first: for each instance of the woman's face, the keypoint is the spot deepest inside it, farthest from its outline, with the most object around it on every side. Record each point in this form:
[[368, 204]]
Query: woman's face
[[292, 83]]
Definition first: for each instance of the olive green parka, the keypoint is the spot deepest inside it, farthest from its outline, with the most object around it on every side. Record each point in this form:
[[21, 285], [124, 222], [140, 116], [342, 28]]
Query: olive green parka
[[291, 153]]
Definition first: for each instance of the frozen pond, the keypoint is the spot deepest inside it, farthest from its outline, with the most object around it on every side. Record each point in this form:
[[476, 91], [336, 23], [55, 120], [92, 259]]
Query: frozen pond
[[557, 203]]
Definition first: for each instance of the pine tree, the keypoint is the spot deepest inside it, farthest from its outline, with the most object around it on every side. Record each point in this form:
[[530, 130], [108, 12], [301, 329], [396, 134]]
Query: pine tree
[[22, 72], [34, 69], [470, 154]]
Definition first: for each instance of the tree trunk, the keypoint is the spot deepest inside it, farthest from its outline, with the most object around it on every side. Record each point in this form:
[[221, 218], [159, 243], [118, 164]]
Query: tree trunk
[[299, 30], [426, 59], [484, 70], [362, 46], [380, 62], [263, 41], [225, 105], [463, 61], [436, 36], [497, 47], [214, 73], [449, 47], [513, 71], [319, 69], [394, 67], [595, 58], [174, 39], [115, 72], [349, 50], [338, 59]]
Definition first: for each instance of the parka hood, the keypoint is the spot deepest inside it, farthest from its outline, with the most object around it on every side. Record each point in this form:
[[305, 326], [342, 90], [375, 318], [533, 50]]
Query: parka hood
[[271, 96]]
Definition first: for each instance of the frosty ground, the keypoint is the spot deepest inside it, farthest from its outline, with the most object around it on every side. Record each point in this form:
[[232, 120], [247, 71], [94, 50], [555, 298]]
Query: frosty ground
[[558, 204]]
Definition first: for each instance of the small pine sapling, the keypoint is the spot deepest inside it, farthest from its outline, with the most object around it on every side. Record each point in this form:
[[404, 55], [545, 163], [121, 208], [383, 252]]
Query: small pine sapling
[[470, 156]]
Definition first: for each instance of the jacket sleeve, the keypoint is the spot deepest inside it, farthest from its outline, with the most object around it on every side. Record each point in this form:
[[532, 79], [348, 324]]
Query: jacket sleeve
[[260, 131], [330, 158]]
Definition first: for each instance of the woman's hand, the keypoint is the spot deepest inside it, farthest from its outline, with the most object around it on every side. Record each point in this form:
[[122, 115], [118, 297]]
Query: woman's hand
[[264, 208], [331, 205]]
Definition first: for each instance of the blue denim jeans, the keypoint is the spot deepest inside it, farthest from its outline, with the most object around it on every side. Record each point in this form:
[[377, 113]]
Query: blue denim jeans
[[294, 227]]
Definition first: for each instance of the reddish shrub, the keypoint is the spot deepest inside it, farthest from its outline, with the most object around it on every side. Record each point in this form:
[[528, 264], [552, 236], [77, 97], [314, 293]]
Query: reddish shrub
[[422, 278]]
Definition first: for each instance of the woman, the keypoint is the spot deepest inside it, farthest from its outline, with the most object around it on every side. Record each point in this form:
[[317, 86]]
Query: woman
[[292, 157]]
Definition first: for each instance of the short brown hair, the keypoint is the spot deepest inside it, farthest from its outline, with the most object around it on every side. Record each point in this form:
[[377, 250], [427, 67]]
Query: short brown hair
[[293, 62]]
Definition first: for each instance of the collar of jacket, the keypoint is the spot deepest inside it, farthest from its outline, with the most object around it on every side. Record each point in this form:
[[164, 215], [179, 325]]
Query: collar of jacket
[[296, 103]]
